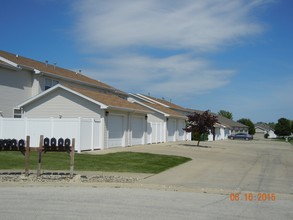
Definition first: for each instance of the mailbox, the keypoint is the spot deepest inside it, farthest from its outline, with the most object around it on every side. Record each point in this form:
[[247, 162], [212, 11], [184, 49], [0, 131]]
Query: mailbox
[[21, 144], [13, 144], [60, 144], [67, 144], [46, 143], [7, 144], [1, 144], [53, 143]]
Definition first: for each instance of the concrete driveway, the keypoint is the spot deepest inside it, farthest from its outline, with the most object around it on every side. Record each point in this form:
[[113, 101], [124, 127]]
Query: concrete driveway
[[225, 166]]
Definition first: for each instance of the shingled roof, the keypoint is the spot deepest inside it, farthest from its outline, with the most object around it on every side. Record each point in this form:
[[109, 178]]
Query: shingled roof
[[156, 106], [112, 101], [106, 101], [46, 68]]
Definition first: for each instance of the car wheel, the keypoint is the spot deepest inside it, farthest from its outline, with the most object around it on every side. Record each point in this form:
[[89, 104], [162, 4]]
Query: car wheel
[[246, 139], [231, 138]]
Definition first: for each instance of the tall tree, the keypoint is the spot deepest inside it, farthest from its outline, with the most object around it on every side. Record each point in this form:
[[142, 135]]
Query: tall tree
[[283, 127], [249, 123], [225, 114], [202, 123]]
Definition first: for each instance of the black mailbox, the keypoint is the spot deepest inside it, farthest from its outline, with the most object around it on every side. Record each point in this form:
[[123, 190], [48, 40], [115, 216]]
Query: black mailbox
[[60, 144], [7, 144], [21, 144], [1, 144], [14, 144], [67, 144], [53, 143], [46, 143]]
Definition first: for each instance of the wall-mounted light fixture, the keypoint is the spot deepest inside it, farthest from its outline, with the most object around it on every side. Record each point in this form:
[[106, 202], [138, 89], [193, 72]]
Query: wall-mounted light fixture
[[107, 113], [146, 117]]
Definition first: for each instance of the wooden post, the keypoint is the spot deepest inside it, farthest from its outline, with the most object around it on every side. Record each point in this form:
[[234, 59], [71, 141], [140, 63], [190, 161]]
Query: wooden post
[[40, 151], [72, 151], [27, 155]]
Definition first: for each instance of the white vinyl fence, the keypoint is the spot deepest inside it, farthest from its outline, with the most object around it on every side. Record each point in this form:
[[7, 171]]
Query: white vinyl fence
[[86, 131]]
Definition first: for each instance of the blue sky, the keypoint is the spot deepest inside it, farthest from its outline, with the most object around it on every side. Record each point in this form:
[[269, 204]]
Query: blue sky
[[235, 55]]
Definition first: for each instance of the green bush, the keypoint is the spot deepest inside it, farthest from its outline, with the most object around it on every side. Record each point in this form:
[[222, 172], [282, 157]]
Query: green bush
[[196, 136]]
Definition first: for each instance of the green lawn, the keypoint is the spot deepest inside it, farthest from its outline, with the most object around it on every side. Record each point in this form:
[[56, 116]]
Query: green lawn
[[112, 162]]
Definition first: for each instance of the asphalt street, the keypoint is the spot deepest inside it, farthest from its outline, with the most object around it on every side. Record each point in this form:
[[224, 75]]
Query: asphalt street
[[225, 180], [112, 203]]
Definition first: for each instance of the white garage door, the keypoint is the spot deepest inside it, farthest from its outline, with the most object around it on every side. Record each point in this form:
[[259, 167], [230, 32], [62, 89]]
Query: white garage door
[[171, 129], [116, 130], [137, 125], [181, 132]]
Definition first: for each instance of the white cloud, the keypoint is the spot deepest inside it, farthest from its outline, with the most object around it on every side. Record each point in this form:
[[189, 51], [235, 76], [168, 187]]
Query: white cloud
[[153, 46], [191, 25], [174, 76]]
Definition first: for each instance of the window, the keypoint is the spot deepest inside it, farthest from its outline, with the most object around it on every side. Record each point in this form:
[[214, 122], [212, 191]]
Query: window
[[50, 83], [16, 113]]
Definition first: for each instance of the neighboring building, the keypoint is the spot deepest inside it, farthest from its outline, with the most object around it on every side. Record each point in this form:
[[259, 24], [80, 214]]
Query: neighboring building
[[165, 124], [22, 78], [122, 123], [262, 129], [39, 90]]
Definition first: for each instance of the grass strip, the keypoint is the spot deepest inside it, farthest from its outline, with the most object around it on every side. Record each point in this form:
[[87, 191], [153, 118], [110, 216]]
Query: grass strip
[[112, 162]]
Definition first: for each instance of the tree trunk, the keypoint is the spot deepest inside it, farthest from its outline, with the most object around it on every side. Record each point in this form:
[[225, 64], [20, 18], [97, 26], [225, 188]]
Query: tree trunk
[[198, 142]]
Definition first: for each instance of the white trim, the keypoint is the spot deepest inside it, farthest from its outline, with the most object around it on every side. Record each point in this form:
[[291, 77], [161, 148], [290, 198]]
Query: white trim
[[9, 62], [145, 97], [132, 100]]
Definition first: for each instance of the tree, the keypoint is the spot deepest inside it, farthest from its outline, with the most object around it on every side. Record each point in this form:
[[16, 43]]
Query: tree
[[201, 123], [249, 123], [226, 114], [283, 127]]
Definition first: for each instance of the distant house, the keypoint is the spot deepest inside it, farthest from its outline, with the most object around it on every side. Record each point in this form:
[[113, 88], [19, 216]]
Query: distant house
[[262, 129], [224, 127]]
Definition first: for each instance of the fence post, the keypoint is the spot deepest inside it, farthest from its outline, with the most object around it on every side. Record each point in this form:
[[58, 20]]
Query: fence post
[[40, 151], [72, 151], [27, 155]]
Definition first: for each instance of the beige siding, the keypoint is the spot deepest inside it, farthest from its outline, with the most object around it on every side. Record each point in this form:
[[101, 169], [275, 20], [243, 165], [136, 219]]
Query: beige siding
[[15, 88], [62, 103]]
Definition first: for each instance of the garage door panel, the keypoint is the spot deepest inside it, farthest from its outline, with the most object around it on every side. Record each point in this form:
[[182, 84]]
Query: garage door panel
[[181, 132], [171, 129], [116, 130], [137, 125]]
